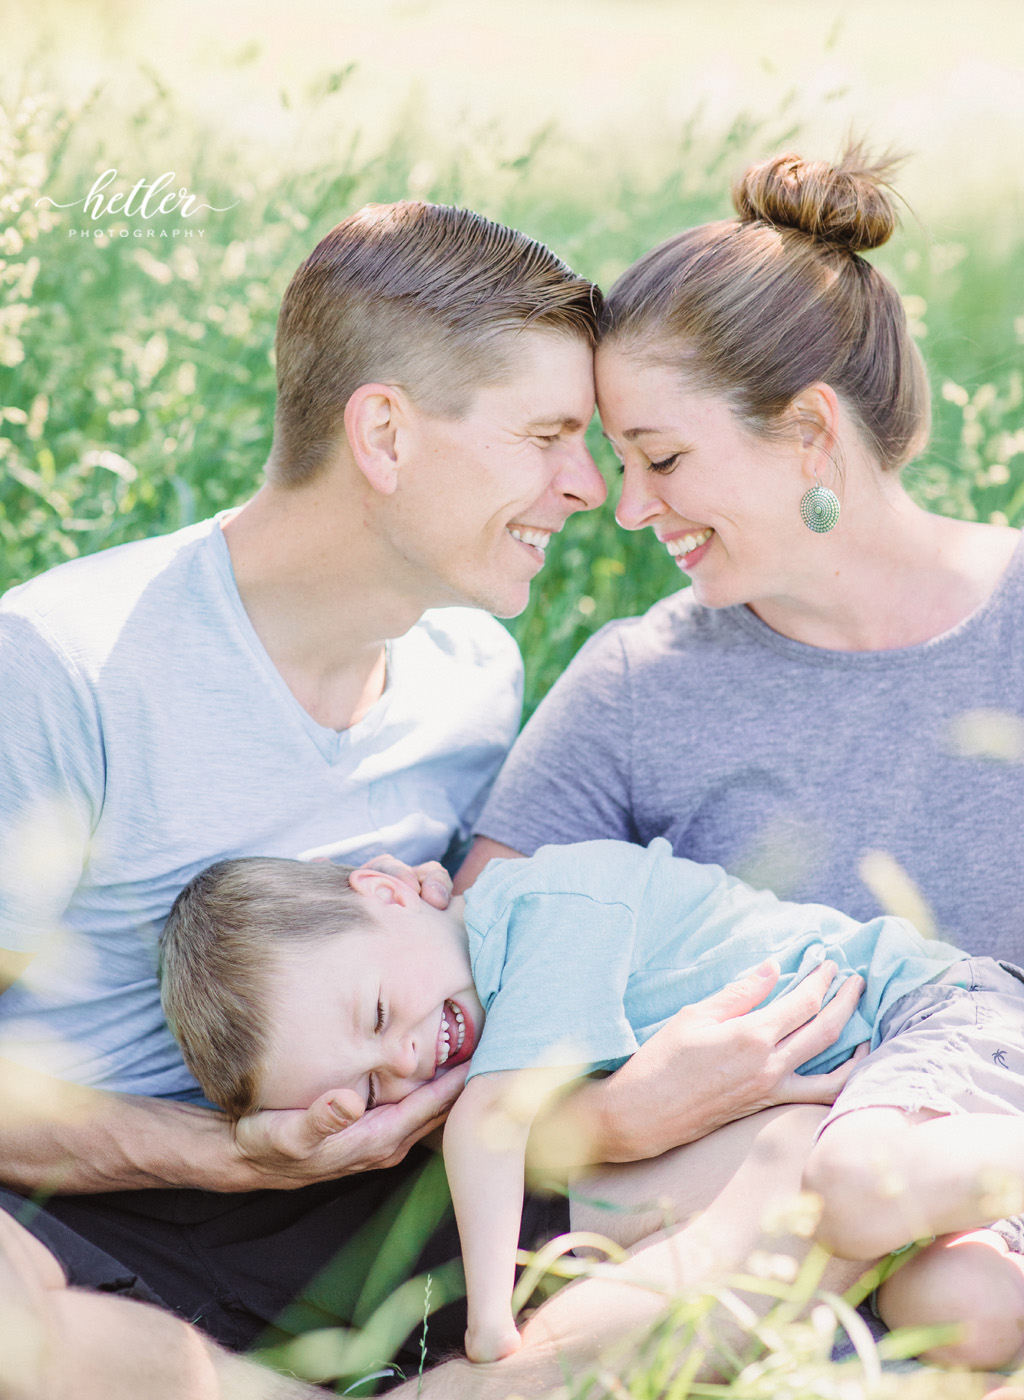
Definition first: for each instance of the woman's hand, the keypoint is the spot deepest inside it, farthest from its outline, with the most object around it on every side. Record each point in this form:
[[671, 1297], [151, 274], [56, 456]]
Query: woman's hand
[[430, 880], [712, 1063], [285, 1148]]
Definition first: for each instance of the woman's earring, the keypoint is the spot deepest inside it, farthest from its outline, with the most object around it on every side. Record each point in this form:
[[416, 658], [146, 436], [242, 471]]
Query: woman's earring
[[819, 509]]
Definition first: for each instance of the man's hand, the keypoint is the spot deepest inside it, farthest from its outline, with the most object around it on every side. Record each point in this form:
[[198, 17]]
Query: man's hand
[[286, 1148], [712, 1063], [430, 880]]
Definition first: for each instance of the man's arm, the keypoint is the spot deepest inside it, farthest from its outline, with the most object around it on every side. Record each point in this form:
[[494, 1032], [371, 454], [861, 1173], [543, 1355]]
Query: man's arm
[[61, 1137]]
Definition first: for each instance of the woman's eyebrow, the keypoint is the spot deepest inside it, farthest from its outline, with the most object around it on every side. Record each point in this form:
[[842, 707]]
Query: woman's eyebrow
[[631, 434]]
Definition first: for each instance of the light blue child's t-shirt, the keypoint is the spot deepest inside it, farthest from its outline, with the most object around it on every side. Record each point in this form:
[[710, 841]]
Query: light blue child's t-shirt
[[145, 732], [581, 952]]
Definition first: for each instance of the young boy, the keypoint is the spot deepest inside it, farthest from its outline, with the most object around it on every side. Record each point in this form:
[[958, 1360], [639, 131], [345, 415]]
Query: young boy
[[289, 987]]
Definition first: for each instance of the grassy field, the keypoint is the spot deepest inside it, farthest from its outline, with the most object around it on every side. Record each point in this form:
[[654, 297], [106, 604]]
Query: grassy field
[[136, 381], [136, 395]]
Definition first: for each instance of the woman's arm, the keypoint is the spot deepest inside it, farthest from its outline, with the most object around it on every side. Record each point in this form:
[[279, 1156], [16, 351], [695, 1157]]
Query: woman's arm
[[484, 1155], [714, 1062], [482, 850]]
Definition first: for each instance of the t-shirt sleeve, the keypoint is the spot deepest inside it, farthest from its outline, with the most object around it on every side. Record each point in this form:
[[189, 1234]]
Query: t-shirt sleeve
[[568, 778], [51, 783], [560, 964]]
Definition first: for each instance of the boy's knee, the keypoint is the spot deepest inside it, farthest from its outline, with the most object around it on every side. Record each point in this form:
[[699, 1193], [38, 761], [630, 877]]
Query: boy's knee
[[971, 1281], [857, 1197]]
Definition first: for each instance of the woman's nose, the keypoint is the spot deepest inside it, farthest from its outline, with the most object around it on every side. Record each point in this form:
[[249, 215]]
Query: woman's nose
[[639, 504]]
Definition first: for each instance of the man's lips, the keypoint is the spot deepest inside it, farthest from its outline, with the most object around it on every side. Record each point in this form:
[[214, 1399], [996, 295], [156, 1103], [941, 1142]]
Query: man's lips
[[533, 537]]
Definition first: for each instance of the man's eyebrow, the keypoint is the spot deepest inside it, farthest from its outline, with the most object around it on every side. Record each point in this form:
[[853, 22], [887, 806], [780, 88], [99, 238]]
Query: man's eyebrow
[[568, 423]]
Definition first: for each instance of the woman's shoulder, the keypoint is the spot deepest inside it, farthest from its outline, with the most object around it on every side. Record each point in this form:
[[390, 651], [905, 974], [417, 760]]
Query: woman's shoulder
[[672, 627]]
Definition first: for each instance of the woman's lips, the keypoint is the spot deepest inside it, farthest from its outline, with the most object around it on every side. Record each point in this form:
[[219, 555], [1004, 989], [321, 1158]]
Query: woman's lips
[[689, 549]]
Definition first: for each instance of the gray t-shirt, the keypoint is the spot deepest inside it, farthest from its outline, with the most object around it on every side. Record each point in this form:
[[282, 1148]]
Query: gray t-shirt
[[145, 733], [788, 764]]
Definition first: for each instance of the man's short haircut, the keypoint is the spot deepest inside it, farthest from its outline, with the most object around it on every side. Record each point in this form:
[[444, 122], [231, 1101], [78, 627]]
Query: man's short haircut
[[421, 296], [216, 961]]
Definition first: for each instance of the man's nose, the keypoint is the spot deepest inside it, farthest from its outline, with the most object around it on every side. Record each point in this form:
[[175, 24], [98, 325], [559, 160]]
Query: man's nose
[[579, 481], [638, 504]]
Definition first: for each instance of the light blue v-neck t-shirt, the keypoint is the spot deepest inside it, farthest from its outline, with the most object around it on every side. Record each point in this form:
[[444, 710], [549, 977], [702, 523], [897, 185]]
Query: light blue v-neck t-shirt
[[145, 732], [582, 952]]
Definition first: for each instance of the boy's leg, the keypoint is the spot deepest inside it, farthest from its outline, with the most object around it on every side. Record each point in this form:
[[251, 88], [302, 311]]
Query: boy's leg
[[888, 1177], [733, 1177], [972, 1280]]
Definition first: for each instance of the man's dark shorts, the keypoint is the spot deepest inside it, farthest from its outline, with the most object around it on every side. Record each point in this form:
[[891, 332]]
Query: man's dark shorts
[[235, 1264]]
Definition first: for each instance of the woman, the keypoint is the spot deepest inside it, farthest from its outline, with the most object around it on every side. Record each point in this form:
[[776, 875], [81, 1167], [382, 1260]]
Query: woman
[[815, 713]]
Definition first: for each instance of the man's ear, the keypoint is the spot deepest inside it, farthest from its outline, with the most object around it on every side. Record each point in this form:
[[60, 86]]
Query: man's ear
[[371, 423], [816, 411], [387, 889]]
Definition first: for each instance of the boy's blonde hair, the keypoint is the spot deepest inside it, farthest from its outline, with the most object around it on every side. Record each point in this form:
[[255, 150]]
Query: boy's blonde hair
[[216, 961]]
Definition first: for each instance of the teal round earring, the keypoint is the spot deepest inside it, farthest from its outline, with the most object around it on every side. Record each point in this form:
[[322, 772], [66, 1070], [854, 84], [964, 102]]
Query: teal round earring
[[819, 509]]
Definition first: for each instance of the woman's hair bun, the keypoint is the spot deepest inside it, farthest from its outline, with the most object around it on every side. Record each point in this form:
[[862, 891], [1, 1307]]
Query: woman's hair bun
[[848, 204]]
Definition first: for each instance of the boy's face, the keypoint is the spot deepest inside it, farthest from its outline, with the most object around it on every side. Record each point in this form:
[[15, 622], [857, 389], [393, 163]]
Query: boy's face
[[378, 1010]]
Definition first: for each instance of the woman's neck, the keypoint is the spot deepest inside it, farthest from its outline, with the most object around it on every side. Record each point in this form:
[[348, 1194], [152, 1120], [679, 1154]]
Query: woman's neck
[[897, 577]]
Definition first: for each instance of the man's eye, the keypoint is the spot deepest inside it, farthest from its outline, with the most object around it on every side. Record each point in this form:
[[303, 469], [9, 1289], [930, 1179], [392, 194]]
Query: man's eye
[[379, 1025], [666, 464], [371, 1094]]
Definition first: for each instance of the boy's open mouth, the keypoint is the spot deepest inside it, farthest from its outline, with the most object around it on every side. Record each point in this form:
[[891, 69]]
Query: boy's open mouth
[[452, 1035]]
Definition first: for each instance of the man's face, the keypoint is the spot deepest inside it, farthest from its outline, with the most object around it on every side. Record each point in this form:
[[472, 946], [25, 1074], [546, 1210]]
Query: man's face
[[376, 1011], [478, 498]]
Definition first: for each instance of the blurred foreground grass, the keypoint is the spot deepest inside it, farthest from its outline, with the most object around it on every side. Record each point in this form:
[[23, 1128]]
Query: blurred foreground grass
[[767, 1333], [136, 380]]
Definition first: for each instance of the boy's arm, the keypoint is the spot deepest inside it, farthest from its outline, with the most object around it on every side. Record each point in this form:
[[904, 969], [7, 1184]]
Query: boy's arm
[[484, 1154]]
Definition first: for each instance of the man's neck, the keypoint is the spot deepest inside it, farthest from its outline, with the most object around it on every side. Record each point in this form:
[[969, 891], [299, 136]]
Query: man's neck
[[310, 582]]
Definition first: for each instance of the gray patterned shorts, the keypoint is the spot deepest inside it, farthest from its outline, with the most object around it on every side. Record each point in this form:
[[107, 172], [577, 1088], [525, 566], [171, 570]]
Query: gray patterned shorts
[[951, 1048]]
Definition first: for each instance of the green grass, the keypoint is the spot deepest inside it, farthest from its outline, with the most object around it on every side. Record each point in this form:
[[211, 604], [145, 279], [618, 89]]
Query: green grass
[[136, 382], [136, 393]]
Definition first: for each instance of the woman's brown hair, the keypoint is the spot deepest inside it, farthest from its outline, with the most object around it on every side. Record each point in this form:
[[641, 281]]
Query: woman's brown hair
[[755, 309]]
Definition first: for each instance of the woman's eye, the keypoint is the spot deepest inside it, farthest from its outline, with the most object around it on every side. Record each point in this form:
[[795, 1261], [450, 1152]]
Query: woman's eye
[[666, 464], [371, 1094], [379, 1025]]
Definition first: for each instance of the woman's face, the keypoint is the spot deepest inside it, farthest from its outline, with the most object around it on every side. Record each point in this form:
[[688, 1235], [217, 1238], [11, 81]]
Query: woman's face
[[723, 502]]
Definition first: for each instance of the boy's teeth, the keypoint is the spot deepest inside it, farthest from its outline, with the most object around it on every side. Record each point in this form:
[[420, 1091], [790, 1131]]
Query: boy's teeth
[[538, 538], [446, 1040], [688, 543]]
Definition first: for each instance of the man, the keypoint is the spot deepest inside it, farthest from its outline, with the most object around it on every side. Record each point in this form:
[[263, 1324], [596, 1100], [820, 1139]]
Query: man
[[272, 682]]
